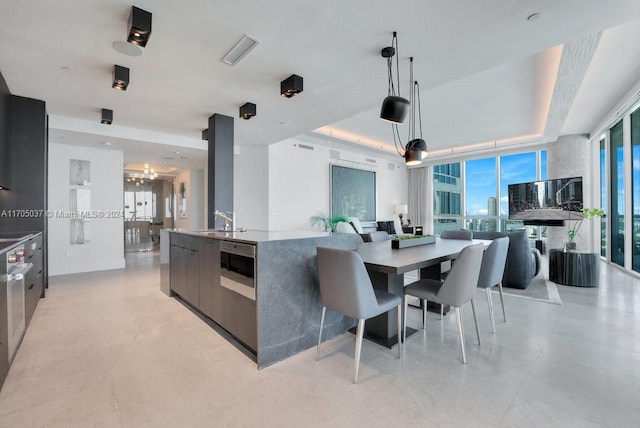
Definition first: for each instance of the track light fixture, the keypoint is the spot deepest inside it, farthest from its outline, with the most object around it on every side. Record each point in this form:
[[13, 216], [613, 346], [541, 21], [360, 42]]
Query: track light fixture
[[247, 111], [107, 116], [394, 108], [291, 86], [120, 77], [139, 26]]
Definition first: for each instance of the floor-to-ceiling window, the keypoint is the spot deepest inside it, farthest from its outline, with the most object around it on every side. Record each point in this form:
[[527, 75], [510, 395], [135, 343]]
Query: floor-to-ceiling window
[[635, 188], [603, 198], [518, 168], [479, 187], [447, 197], [480, 194], [616, 187]]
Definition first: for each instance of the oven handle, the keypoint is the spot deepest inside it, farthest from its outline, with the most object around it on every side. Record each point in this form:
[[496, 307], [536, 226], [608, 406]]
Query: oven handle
[[18, 273]]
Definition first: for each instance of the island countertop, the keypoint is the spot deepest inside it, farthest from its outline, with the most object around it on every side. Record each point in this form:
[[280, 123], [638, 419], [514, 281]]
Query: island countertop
[[253, 236]]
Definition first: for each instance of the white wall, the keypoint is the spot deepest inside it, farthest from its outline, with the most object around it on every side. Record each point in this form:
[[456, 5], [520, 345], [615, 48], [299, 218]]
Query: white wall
[[251, 187], [570, 156], [193, 180], [299, 182], [106, 247]]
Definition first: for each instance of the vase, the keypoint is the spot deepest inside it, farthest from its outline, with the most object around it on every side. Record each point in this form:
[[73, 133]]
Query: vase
[[569, 246]]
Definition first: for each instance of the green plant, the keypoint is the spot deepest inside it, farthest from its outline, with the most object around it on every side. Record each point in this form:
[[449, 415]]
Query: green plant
[[587, 213], [328, 223], [403, 238]]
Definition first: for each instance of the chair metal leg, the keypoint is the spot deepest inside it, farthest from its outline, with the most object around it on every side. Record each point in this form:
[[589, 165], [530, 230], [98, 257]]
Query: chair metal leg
[[399, 328], [504, 314], [491, 314], [404, 324], [475, 318], [324, 311], [441, 312], [424, 314], [461, 333], [359, 335]]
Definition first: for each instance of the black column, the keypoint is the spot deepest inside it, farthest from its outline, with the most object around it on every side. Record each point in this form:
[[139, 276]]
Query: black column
[[220, 174]]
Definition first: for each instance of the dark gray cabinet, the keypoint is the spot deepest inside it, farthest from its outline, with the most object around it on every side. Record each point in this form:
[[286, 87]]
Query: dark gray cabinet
[[184, 277], [239, 317], [209, 272], [195, 277], [179, 267], [34, 280], [4, 333]]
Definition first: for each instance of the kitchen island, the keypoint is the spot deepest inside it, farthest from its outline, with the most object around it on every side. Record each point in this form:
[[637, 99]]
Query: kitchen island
[[260, 286]]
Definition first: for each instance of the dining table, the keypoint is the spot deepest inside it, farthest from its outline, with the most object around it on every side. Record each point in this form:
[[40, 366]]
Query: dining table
[[386, 267]]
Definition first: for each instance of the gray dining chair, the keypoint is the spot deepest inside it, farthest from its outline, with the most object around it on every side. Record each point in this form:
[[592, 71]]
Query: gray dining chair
[[457, 234], [491, 272], [378, 235], [345, 287], [462, 234], [456, 290]]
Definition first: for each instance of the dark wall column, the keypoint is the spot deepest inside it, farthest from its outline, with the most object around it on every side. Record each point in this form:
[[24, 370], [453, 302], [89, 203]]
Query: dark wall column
[[220, 174]]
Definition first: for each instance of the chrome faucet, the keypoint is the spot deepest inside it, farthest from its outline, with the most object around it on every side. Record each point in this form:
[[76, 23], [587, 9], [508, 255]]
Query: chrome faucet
[[227, 219]]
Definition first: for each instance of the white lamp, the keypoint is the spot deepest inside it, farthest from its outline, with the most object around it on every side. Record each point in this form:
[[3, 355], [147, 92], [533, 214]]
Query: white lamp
[[401, 210]]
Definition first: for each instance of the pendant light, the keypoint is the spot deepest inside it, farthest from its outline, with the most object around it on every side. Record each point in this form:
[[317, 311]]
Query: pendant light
[[416, 149], [415, 144], [394, 107]]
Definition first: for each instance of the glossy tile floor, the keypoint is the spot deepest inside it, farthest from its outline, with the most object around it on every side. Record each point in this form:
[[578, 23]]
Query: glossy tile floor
[[109, 349]]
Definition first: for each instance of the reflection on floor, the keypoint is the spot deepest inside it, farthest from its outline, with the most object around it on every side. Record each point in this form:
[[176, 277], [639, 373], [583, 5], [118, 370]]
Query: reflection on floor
[[109, 349]]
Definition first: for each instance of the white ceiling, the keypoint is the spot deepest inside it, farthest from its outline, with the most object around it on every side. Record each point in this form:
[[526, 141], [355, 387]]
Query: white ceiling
[[486, 73]]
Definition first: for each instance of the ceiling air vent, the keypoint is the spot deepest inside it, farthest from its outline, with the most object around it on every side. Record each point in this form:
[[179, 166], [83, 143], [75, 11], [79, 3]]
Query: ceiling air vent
[[371, 160], [304, 146], [239, 50]]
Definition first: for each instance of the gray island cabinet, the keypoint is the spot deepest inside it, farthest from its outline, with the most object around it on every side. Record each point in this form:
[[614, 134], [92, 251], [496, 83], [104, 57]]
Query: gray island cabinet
[[261, 287]]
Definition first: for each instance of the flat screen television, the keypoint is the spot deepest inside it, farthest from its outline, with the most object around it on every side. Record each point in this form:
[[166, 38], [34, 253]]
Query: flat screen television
[[547, 202]]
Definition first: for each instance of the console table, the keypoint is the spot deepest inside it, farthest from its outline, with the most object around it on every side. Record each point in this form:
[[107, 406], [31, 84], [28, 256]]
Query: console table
[[572, 268]]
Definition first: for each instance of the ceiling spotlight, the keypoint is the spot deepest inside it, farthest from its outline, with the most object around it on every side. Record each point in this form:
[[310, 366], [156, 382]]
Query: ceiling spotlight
[[107, 116], [247, 111], [120, 77], [205, 134], [291, 86], [139, 26]]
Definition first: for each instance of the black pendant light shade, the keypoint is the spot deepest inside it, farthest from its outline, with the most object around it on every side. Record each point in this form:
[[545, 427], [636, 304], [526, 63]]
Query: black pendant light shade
[[247, 111], [412, 157], [291, 86], [107, 116], [421, 145], [394, 109], [120, 77], [139, 26]]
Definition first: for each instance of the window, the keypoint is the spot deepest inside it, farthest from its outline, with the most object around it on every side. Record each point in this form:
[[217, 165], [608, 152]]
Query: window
[[635, 188], [603, 198], [447, 196], [484, 193], [616, 211], [480, 186], [518, 168]]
